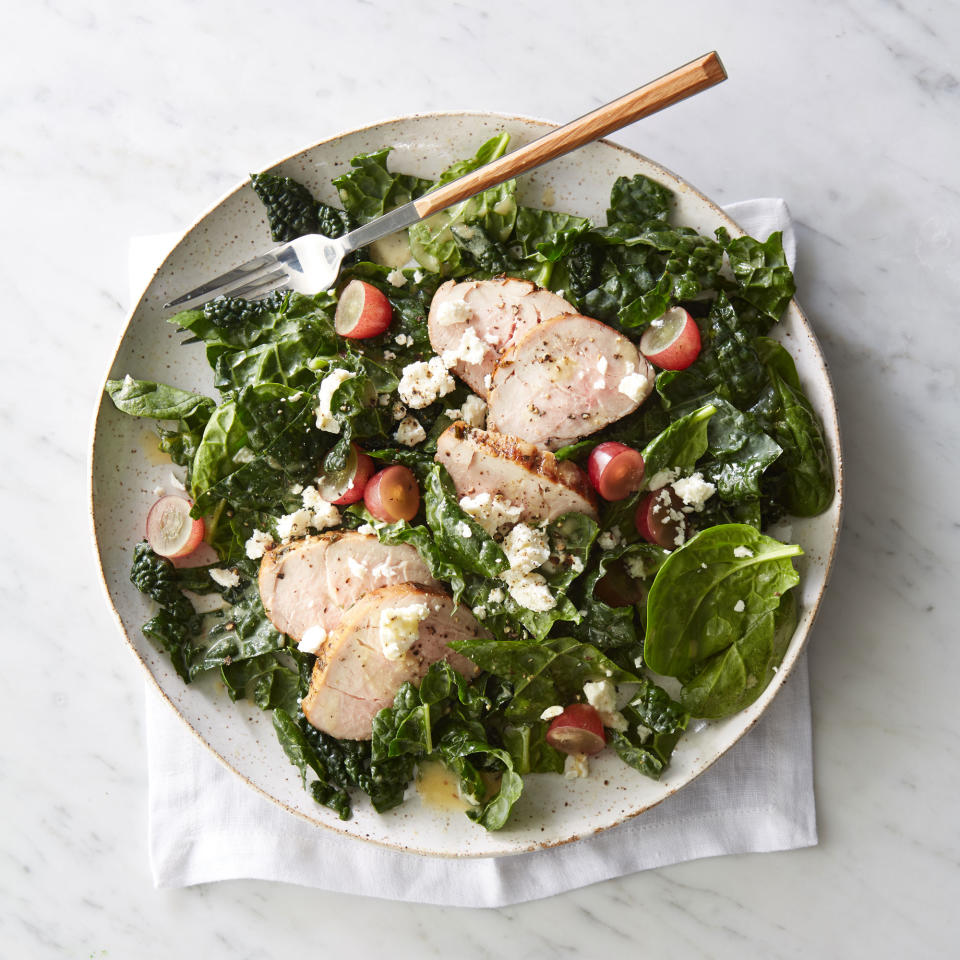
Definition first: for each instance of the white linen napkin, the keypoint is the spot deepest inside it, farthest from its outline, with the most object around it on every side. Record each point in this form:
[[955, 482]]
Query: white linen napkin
[[206, 824]]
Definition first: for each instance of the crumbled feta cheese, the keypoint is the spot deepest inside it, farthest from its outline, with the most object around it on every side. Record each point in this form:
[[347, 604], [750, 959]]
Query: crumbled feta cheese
[[294, 524], [739, 607], [694, 490], [397, 278], [634, 385], [743, 552], [398, 410], [495, 595], [601, 695], [389, 355], [331, 382], [464, 530], [296, 489], [488, 381], [410, 432], [636, 566], [417, 276], [400, 628], [423, 382], [452, 311], [576, 765], [322, 513], [257, 545], [470, 349], [473, 412], [403, 340], [609, 539], [492, 513], [526, 548], [367, 529], [576, 565], [643, 732], [530, 590], [225, 578], [661, 478], [551, 712], [614, 719], [313, 639], [480, 612]]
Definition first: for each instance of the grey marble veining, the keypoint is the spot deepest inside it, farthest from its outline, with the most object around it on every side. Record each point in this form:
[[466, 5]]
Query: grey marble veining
[[120, 119]]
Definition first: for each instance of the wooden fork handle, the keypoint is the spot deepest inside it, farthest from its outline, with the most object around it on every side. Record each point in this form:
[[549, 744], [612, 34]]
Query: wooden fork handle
[[685, 81]]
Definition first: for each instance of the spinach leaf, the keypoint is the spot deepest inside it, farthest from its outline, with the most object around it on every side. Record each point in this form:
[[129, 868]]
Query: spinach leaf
[[680, 445], [542, 674], [732, 679], [369, 190], [144, 398], [244, 634], [711, 592], [440, 720], [655, 724], [805, 482]]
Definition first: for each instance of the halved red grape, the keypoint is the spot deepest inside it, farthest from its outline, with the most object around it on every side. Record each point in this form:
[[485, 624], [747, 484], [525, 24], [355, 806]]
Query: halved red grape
[[346, 486], [362, 311], [171, 531], [615, 470], [393, 494], [672, 341], [660, 519], [578, 729]]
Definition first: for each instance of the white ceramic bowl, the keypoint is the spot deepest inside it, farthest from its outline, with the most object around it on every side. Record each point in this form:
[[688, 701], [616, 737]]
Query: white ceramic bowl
[[125, 469]]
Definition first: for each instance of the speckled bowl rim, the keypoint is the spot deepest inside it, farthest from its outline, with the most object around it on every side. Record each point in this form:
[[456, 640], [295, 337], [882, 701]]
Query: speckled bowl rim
[[777, 683]]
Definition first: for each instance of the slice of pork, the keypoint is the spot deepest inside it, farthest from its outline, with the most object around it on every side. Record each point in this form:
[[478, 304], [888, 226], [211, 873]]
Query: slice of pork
[[499, 311], [352, 678], [565, 379], [481, 461], [313, 581]]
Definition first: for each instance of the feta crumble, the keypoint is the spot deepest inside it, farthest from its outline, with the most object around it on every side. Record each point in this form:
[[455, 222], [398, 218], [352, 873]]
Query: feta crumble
[[739, 606], [634, 385], [326, 421], [471, 349], [410, 432], [609, 539], [464, 530], [322, 513], [551, 712], [661, 478], [225, 578], [742, 552], [492, 513], [452, 311], [601, 695], [530, 590], [396, 278], [526, 548], [423, 382], [313, 639], [293, 525], [495, 595], [257, 545], [473, 412], [694, 491], [576, 765], [367, 529], [400, 629]]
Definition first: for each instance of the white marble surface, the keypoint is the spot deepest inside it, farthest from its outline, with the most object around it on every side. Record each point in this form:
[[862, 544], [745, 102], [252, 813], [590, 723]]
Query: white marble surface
[[128, 118]]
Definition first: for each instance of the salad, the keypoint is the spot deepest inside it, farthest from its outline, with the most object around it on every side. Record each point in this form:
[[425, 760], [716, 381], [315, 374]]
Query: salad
[[503, 502]]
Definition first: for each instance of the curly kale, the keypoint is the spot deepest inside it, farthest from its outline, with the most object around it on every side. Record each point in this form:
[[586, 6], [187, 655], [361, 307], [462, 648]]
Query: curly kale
[[226, 312], [176, 623], [293, 212]]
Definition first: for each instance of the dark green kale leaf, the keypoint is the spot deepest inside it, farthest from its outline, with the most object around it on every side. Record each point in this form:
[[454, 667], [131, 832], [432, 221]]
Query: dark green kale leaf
[[638, 199], [176, 626], [763, 277], [232, 311], [291, 210], [369, 190]]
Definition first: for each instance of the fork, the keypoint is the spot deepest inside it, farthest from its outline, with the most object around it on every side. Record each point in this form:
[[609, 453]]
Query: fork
[[311, 263]]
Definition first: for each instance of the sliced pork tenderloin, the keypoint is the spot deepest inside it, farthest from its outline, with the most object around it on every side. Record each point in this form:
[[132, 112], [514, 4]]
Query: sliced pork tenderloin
[[364, 661], [565, 379], [497, 311], [531, 482], [313, 581]]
